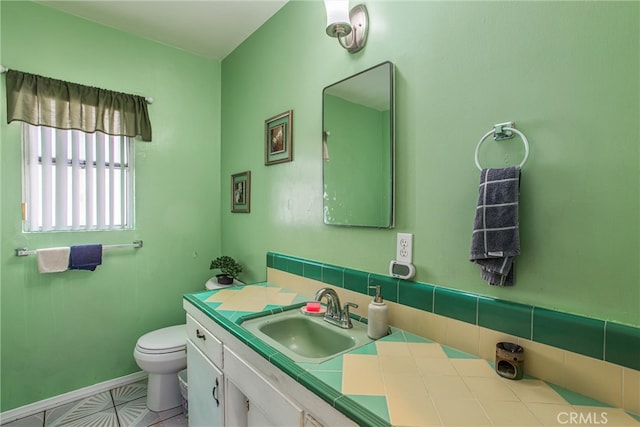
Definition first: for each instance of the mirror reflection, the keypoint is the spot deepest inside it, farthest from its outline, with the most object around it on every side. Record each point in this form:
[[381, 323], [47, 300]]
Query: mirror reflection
[[358, 149]]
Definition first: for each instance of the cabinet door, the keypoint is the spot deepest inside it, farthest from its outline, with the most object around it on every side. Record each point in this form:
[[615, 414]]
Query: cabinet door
[[240, 411], [256, 417], [267, 405], [236, 405], [205, 382]]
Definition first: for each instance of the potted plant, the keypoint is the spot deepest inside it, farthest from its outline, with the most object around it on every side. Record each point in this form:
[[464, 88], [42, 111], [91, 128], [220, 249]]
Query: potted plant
[[228, 267]]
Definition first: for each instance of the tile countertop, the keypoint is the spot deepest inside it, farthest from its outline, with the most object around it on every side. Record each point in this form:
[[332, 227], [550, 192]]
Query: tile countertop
[[406, 380]]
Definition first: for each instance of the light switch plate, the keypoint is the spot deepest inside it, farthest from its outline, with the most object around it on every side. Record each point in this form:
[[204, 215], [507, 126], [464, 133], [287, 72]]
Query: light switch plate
[[404, 248]]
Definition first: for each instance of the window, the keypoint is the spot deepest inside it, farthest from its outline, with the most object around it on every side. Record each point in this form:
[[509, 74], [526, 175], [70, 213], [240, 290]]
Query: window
[[74, 180]]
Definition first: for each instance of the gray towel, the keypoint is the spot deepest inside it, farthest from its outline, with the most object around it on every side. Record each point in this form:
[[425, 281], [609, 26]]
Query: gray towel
[[496, 240]]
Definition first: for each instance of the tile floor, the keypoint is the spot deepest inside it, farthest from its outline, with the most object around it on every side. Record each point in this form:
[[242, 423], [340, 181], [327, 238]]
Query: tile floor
[[124, 406]]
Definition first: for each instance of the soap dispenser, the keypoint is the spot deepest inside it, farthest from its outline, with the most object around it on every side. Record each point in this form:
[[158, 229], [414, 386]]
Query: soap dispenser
[[378, 318]]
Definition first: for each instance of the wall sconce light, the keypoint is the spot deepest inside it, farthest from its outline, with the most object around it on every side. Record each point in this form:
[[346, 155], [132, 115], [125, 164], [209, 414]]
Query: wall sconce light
[[349, 27]]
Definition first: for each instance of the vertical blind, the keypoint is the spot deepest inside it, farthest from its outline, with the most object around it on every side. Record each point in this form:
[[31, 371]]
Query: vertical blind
[[77, 180]]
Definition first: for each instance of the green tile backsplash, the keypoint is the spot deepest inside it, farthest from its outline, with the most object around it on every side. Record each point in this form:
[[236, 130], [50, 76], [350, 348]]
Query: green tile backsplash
[[456, 305], [570, 332], [615, 343], [356, 281], [296, 267], [622, 345], [505, 316], [416, 295], [312, 270], [333, 275]]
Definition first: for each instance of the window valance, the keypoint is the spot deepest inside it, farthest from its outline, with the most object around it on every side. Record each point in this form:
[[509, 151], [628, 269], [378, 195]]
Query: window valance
[[43, 101]]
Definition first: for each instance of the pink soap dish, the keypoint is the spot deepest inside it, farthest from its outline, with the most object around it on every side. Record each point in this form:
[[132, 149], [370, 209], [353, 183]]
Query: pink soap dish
[[313, 308]]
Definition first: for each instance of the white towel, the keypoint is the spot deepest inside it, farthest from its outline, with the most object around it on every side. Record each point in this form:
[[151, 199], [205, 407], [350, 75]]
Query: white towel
[[53, 260]]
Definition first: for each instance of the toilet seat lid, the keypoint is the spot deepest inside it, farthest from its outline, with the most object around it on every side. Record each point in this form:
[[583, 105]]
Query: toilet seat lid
[[165, 340]]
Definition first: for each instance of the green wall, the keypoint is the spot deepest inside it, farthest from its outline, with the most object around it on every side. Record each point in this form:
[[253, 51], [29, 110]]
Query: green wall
[[566, 72], [65, 331]]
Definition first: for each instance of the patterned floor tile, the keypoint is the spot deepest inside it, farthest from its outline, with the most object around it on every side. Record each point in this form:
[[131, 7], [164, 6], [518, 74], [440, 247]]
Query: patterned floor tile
[[129, 392], [136, 414], [106, 418], [36, 420], [123, 406], [66, 414], [177, 421]]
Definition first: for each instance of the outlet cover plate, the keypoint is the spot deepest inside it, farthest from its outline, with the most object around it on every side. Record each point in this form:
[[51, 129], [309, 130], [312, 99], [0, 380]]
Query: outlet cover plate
[[404, 247]]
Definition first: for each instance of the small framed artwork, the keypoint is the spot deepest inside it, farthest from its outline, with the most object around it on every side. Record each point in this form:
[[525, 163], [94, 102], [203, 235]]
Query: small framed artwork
[[241, 192], [278, 141]]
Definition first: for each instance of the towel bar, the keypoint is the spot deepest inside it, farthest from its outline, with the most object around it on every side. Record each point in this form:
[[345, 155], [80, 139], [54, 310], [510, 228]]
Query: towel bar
[[500, 132], [135, 244]]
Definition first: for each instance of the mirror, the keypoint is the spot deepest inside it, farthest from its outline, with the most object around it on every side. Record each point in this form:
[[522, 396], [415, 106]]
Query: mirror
[[358, 149]]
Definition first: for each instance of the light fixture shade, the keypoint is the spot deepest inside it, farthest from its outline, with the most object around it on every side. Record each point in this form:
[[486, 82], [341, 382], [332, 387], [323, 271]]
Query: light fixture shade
[[338, 23]]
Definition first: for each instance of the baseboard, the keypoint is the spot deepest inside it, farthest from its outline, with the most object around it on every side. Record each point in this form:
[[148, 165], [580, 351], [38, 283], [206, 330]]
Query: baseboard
[[52, 402]]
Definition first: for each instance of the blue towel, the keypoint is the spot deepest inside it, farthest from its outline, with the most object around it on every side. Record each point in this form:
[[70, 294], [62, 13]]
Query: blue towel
[[85, 257], [496, 240]]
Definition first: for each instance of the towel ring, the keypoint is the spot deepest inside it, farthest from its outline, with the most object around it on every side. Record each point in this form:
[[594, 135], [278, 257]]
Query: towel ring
[[500, 132]]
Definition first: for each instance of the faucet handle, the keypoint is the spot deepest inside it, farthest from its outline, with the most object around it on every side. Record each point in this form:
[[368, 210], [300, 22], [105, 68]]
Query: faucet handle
[[349, 304], [344, 315]]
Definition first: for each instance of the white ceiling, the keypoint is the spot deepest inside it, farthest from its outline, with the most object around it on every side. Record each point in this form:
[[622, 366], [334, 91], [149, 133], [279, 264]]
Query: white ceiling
[[210, 28]]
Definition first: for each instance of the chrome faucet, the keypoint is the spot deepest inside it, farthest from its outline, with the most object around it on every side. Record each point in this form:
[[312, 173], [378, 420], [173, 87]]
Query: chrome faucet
[[334, 314]]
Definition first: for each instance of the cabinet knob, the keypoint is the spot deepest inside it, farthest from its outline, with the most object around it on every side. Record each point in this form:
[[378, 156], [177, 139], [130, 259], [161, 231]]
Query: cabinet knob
[[200, 334]]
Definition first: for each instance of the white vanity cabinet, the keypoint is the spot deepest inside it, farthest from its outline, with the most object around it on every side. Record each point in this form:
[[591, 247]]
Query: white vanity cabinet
[[267, 406], [204, 378], [206, 398], [255, 392]]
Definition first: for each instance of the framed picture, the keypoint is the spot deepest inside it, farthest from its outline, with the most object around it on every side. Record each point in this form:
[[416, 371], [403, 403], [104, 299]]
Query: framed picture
[[241, 192], [278, 141]]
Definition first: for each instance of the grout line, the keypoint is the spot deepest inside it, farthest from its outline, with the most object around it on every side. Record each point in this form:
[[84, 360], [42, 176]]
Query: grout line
[[622, 387], [604, 341], [477, 311], [433, 300], [115, 409], [533, 309]]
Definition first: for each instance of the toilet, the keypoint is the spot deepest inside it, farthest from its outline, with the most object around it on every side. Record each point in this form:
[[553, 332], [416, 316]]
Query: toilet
[[162, 354]]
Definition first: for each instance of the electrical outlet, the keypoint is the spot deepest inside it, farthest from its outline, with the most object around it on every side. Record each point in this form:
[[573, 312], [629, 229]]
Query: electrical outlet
[[404, 248]]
